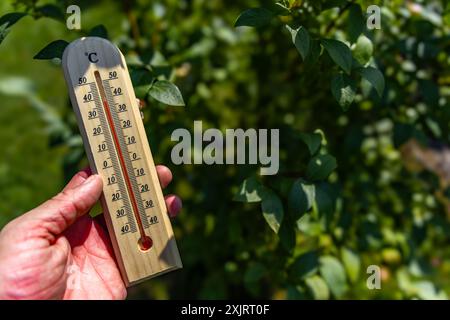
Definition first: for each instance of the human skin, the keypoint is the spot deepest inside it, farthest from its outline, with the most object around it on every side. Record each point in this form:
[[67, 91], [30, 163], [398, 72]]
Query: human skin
[[57, 251]]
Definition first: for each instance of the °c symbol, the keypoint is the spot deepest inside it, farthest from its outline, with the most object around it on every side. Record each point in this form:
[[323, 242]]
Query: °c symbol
[[92, 57]]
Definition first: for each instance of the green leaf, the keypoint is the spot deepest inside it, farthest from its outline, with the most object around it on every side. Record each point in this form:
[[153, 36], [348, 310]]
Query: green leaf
[[279, 9], [254, 272], [334, 275], [251, 190], [255, 17], [301, 40], [51, 11], [352, 263], [272, 210], [4, 30], [312, 140], [301, 198], [11, 18], [339, 52], [166, 92], [344, 90], [375, 77], [287, 235], [305, 265], [141, 76], [99, 31], [426, 290], [142, 80], [142, 91], [323, 199], [320, 167], [295, 293], [53, 50], [314, 52], [162, 72], [7, 21], [363, 50], [356, 22], [318, 288]]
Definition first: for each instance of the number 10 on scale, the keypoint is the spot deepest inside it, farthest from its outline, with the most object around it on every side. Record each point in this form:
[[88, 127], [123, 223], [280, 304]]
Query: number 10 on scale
[[117, 148]]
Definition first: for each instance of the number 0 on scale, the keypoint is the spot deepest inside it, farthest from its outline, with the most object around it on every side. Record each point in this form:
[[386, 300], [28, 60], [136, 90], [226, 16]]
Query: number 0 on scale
[[114, 137]]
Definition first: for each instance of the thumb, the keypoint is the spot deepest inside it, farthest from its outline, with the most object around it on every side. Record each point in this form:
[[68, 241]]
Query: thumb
[[58, 213]]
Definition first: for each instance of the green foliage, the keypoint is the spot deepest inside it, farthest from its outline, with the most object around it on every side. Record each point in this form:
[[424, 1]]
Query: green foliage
[[301, 40], [272, 210], [251, 190], [99, 31], [53, 50], [356, 22], [312, 140], [375, 77], [166, 92], [363, 50], [301, 198], [352, 264], [339, 52], [7, 21], [333, 273], [344, 90], [318, 287], [256, 17], [320, 167], [305, 265], [348, 194], [51, 11]]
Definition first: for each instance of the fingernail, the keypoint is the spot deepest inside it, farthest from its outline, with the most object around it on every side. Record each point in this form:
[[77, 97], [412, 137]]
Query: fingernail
[[89, 181], [176, 206]]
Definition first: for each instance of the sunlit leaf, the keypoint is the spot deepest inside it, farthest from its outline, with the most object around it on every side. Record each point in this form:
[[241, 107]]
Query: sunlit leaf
[[363, 50], [166, 92], [333, 273], [251, 190], [318, 288], [272, 210], [352, 263], [344, 90]]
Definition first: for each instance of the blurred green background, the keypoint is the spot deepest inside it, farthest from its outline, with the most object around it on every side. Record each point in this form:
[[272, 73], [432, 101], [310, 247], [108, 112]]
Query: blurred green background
[[386, 203]]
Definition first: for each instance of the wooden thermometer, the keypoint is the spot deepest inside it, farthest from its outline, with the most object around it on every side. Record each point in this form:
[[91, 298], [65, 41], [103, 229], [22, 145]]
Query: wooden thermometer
[[114, 137]]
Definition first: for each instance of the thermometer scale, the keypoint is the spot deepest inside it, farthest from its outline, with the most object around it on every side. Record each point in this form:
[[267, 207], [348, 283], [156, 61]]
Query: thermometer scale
[[117, 148]]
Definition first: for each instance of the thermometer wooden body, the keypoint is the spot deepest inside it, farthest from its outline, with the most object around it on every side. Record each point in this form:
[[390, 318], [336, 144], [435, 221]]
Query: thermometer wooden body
[[114, 137]]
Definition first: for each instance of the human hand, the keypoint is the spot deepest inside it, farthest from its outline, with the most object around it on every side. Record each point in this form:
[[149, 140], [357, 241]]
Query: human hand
[[41, 250]]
